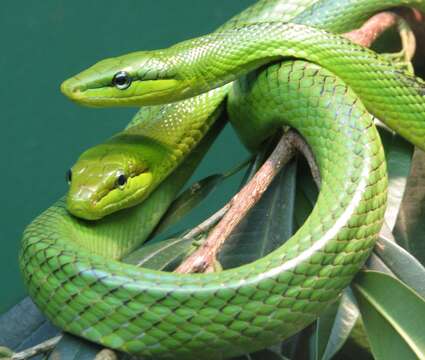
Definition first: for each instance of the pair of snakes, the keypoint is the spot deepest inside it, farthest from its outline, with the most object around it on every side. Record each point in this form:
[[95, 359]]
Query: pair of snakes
[[119, 189]]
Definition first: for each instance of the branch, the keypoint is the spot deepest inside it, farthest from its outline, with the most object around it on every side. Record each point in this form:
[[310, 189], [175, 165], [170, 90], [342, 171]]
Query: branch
[[415, 19], [203, 259], [304, 149], [410, 26], [373, 28], [44, 347], [208, 223]]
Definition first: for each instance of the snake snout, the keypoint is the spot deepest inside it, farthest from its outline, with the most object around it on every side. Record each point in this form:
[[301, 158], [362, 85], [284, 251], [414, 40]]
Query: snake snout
[[82, 205], [71, 89]]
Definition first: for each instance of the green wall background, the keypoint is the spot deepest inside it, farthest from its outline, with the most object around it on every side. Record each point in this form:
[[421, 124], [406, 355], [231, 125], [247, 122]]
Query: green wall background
[[42, 133]]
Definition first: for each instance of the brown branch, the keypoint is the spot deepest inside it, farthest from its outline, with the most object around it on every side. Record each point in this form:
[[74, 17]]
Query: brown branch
[[373, 28], [203, 259], [304, 149], [409, 21], [208, 223], [44, 347]]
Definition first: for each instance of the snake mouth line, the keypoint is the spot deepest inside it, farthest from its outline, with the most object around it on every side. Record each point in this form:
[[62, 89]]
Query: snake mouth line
[[105, 201], [144, 91], [139, 176], [142, 183]]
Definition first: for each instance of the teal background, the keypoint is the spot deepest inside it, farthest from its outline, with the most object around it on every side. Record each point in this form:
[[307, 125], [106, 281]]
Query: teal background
[[42, 133]]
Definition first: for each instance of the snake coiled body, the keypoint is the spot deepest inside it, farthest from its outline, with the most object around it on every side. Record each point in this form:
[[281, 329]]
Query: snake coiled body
[[80, 286]]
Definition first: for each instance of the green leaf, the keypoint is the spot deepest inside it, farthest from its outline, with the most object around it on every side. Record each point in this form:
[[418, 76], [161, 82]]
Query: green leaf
[[267, 226], [375, 263], [334, 327], [393, 315], [296, 346], [193, 196], [410, 227], [258, 160], [74, 348], [24, 326], [266, 354], [187, 201], [306, 193], [5, 352], [322, 331], [357, 345], [406, 267], [398, 153], [161, 255]]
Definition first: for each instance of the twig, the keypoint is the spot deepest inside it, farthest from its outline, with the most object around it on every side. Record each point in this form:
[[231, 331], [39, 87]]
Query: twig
[[208, 223], [49, 345], [415, 19], [44, 347], [304, 149], [106, 354], [203, 259]]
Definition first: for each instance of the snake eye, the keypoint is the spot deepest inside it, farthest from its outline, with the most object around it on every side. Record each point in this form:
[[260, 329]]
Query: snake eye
[[121, 180], [121, 80], [69, 176]]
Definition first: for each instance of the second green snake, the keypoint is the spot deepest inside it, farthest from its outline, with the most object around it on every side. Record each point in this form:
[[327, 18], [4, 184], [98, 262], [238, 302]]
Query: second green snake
[[157, 314]]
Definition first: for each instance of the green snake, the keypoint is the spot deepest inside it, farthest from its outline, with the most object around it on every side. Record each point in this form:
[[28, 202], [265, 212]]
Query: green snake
[[69, 265]]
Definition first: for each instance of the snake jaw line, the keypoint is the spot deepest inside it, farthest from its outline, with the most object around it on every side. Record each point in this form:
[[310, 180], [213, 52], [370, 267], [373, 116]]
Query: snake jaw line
[[139, 93], [136, 79]]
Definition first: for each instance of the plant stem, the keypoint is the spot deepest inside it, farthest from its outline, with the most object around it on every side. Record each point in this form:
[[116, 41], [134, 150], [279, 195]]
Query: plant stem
[[203, 259], [43, 347]]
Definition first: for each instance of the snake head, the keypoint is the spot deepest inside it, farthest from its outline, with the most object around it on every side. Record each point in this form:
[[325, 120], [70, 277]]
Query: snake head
[[110, 177], [136, 79]]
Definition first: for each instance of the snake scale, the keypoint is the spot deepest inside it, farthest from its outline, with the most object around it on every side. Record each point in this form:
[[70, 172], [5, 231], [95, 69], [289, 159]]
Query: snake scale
[[70, 266]]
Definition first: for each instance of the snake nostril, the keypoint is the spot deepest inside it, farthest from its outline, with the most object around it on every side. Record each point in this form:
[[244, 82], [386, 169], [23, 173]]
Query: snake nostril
[[81, 209], [81, 200]]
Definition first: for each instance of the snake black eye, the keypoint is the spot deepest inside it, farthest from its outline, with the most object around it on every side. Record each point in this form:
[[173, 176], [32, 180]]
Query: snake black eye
[[121, 80], [121, 180], [69, 176]]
